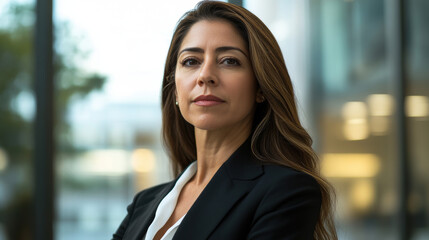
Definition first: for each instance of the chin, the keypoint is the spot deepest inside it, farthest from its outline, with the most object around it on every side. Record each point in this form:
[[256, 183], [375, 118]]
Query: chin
[[206, 121], [208, 126]]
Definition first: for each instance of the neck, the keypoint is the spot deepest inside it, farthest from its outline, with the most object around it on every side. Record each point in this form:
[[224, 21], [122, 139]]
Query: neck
[[215, 147]]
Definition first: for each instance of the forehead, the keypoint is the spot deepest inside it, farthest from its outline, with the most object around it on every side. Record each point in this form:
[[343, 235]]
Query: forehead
[[213, 33]]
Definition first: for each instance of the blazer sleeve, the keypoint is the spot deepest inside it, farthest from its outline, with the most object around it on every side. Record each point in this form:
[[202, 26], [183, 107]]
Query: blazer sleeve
[[289, 210], [118, 235]]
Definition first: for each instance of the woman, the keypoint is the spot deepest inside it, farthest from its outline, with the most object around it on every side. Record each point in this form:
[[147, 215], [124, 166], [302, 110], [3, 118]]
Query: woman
[[231, 127]]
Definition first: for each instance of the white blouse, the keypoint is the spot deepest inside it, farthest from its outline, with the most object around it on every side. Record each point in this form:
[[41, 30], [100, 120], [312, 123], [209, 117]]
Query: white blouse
[[167, 206]]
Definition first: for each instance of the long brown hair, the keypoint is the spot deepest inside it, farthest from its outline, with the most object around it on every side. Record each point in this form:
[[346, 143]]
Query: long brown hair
[[278, 136]]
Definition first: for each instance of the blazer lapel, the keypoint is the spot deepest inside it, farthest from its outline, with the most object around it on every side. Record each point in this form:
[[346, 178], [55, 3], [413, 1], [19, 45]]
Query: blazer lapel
[[146, 213], [234, 179]]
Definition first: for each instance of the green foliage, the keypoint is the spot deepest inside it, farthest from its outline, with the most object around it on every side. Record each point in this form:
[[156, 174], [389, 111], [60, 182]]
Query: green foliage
[[16, 68], [16, 77]]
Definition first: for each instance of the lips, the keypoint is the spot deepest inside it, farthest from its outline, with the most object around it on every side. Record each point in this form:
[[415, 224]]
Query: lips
[[207, 100]]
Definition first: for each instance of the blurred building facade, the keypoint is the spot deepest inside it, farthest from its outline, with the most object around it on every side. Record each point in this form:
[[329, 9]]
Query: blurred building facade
[[342, 56]]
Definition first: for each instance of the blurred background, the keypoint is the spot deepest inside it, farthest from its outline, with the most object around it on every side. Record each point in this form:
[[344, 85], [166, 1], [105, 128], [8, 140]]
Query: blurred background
[[361, 76]]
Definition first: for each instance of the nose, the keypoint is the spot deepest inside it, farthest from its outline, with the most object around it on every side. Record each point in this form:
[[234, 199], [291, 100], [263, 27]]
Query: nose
[[208, 75]]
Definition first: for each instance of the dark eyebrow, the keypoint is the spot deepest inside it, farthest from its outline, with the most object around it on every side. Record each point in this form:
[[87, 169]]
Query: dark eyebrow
[[219, 49]]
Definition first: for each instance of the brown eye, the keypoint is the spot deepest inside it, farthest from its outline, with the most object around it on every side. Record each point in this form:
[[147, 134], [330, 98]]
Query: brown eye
[[189, 62], [231, 61]]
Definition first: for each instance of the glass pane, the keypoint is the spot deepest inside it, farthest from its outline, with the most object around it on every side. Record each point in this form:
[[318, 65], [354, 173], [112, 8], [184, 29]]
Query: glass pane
[[110, 58], [417, 110], [338, 61], [357, 126], [16, 118]]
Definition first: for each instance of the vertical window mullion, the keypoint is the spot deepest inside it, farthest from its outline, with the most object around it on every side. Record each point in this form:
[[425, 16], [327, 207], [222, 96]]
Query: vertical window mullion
[[396, 46], [44, 123]]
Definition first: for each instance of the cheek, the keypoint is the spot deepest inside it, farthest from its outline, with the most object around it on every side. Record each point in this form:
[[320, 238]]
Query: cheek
[[181, 89], [184, 85], [245, 89]]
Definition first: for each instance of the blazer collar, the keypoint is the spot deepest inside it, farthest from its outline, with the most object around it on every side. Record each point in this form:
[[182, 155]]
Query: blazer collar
[[242, 165], [234, 179], [146, 213]]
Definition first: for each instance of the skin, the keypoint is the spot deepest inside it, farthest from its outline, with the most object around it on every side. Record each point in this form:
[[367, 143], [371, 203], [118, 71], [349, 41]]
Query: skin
[[213, 60]]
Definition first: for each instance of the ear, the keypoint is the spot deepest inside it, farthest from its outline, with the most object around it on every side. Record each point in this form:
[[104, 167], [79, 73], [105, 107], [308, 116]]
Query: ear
[[259, 96]]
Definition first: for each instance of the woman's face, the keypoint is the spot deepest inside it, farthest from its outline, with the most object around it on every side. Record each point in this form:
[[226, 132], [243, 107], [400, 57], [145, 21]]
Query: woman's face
[[215, 85]]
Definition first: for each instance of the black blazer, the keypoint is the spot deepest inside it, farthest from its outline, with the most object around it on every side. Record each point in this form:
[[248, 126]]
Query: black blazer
[[245, 199]]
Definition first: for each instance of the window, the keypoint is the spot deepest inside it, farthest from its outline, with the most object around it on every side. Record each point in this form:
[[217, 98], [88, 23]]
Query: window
[[341, 57]]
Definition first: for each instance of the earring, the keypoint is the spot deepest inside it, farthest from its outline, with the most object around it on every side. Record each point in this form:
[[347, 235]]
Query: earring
[[260, 99], [177, 103]]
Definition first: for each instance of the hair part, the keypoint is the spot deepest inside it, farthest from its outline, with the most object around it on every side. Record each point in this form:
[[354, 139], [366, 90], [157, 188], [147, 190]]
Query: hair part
[[277, 135]]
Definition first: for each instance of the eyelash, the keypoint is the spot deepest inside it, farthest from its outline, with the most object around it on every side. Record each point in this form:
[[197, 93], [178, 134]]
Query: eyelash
[[237, 63], [185, 61]]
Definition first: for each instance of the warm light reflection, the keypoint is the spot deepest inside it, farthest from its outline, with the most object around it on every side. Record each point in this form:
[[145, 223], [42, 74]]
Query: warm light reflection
[[354, 110], [111, 162], [3, 160], [143, 160], [417, 106], [362, 194], [355, 123], [355, 129], [380, 104], [350, 165]]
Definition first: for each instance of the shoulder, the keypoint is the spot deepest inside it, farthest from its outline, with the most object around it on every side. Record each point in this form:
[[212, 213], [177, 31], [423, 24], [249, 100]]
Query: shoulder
[[288, 205], [285, 182], [287, 176]]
